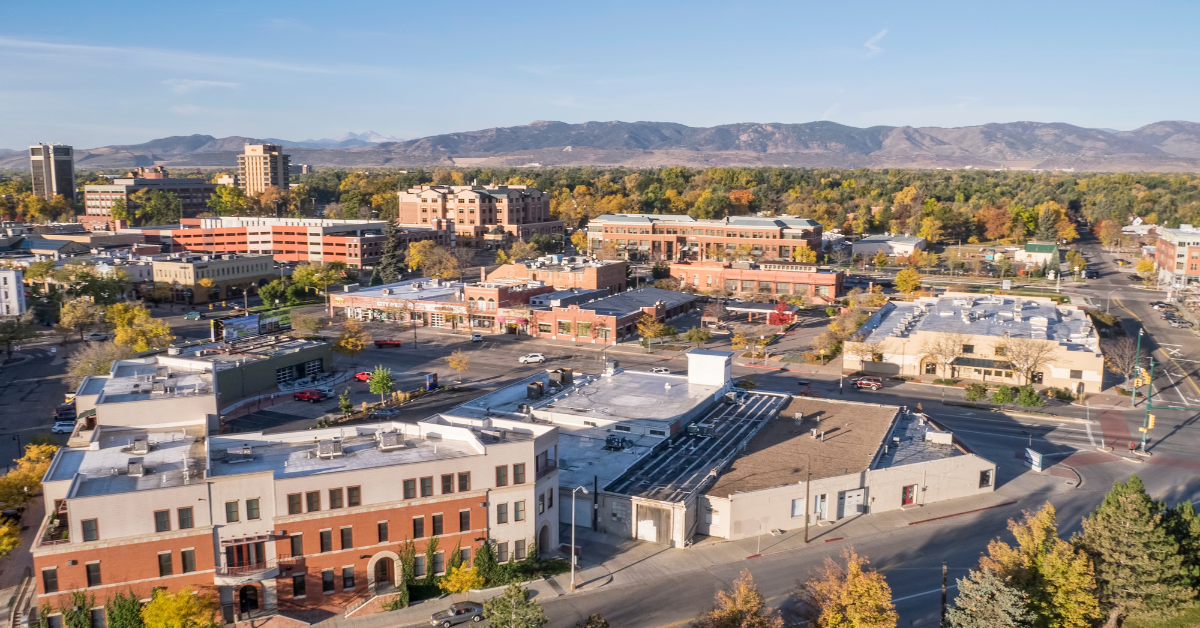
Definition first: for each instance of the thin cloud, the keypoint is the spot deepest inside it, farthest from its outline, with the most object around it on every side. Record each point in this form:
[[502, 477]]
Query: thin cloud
[[872, 44], [830, 111], [183, 86]]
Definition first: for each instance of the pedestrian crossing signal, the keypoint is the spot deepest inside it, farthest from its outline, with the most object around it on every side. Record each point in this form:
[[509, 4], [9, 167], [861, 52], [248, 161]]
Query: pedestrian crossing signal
[[1150, 424]]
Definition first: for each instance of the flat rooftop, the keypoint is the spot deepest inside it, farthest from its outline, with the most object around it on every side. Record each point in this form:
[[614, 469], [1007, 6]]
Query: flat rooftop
[[912, 447], [422, 289], [105, 470], [135, 380], [672, 473], [632, 301], [778, 453], [251, 348]]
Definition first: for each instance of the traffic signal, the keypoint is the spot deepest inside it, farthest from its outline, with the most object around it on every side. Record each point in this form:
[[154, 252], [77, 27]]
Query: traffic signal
[[1137, 382], [222, 304], [210, 306], [1150, 425], [1145, 374]]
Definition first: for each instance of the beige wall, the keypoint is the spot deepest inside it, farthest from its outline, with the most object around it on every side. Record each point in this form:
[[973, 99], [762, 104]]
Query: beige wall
[[167, 411], [131, 514]]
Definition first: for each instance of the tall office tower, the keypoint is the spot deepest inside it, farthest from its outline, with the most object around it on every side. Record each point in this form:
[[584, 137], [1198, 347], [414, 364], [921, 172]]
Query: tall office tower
[[262, 166], [53, 167]]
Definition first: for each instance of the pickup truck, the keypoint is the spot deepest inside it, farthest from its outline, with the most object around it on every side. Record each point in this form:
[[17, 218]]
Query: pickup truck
[[311, 396], [390, 342]]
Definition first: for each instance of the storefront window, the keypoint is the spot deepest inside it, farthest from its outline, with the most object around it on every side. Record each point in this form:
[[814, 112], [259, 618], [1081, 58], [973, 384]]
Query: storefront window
[[584, 329]]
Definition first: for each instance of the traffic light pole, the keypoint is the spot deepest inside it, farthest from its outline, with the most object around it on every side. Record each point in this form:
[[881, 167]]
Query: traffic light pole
[[1137, 365], [1148, 421]]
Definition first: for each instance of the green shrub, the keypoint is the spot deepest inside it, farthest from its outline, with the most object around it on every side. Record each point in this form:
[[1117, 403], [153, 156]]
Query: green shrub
[[1029, 398], [831, 311], [976, 392], [1002, 395]]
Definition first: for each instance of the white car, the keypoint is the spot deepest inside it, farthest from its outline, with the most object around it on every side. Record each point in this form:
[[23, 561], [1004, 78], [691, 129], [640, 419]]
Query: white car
[[476, 337], [532, 358], [63, 427], [96, 337], [662, 370]]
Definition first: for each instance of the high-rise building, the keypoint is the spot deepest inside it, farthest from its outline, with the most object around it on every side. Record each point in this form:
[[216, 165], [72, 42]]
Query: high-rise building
[[53, 167], [263, 166]]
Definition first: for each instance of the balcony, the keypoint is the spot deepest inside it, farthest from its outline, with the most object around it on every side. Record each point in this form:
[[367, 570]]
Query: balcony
[[55, 528], [234, 575], [546, 469]]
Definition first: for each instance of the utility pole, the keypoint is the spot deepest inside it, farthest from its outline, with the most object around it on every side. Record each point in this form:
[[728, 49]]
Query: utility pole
[[807, 504], [943, 593]]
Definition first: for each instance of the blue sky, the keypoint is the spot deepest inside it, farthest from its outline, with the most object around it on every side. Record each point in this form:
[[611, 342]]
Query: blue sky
[[92, 74]]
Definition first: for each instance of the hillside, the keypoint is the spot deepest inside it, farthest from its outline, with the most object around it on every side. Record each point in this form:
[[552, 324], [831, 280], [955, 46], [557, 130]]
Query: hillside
[[1161, 146]]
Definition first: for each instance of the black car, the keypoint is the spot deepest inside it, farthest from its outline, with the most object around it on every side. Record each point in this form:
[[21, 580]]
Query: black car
[[1091, 274]]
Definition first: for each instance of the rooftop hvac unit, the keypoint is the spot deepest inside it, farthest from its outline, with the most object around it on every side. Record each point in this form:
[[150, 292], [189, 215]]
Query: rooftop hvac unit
[[239, 454], [140, 446], [389, 441], [135, 468], [534, 390], [568, 376], [330, 448], [556, 378]]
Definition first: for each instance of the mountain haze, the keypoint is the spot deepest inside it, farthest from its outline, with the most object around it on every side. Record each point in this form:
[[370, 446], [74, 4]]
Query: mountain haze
[[1161, 146]]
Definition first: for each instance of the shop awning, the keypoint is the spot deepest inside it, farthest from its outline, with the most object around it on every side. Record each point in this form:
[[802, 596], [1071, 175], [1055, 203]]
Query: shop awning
[[980, 363]]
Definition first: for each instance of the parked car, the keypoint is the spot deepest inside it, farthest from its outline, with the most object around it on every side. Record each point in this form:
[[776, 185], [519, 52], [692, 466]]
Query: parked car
[[532, 358], [874, 383], [12, 515], [457, 614], [476, 337], [311, 396], [662, 370], [1091, 274], [94, 337], [63, 427], [363, 376], [390, 342], [1179, 322], [193, 316]]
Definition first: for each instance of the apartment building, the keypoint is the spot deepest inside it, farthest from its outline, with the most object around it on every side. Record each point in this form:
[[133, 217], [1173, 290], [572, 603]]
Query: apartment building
[[567, 272], [263, 166], [231, 276], [1177, 254], [773, 280], [663, 237], [98, 200], [986, 334], [491, 213], [53, 170], [12, 292], [295, 521], [357, 243]]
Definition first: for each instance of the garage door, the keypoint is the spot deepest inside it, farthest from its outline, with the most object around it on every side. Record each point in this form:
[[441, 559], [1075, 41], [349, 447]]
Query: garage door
[[850, 503], [653, 524]]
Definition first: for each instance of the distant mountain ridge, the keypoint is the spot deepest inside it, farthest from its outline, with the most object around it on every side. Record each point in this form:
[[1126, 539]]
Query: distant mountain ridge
[[1161, 146]]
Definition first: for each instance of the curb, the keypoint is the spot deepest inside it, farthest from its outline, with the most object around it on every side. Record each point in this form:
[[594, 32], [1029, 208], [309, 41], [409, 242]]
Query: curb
[[965, 512]]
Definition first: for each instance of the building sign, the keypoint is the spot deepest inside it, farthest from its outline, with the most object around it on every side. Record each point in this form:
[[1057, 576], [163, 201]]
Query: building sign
[[1006, 284], [241, 327], [1033, 459]]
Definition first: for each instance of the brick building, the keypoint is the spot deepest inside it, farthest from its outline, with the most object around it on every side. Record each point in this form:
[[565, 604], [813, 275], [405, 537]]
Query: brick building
[[1177, 254], [358, 243], [436, 303], [231, 276], [566, 272], [493, 213], [663, 237], [604, 321], [98, 199], [766, 279]]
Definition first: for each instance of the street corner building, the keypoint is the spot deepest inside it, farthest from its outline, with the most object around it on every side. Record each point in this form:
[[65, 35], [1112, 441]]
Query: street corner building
[[678, 238], [991, 339]]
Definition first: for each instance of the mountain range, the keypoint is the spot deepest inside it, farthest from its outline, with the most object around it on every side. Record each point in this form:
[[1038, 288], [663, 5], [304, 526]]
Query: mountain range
[[1161, 146]]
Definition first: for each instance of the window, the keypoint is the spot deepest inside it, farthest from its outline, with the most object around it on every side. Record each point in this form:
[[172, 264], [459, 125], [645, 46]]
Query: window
[[418, 527], [502, 552], [410, 489], [164, 564], [298, 588], [541, 504], [544, 328], [91, 529], [162, 521], [968, 348], [564, 328], [658, 433], [93, 574], [1000, 351], [985, 478], [326, 541], [501, 513], [381, 530], [327, 581], [550, 498], [1076, 374], [519, 511], [437, 525], [314, 500], [439, 562], [583, 329], [519, 473], [798, 507], [465, 555], [908, 495], [297, 541], [464, 520], [419, 566], [519, 549], [188, 560], [96, 618], [464, 482], [347, 537], [335, 498], [251, 509], [54, 621], [50, 580], [502, 476], [621, 428], [347, 578], [354, 496], [294, 504], [185, 518], [447, 484], [427, 487], [231, 512]]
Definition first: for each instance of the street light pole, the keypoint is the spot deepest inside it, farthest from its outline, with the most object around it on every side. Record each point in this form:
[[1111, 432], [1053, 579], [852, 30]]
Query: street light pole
[[573, 551], [1137, 361]]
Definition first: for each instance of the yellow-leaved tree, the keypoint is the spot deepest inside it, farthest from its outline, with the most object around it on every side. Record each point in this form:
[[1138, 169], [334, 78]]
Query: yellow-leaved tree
[[134, 327], [804, 254], [353, 338], [24, 481], [848, 597], [185, 609], [460, 580], [742, 606]]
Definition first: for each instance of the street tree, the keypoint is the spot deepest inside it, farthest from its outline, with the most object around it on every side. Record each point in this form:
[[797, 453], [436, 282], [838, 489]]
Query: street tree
[[353, 338], [697, 336], [908, 281], [649, 328], [381, 382], [852, 596], [80, 315], [10, 538], [880, 260], [580, 239], [134, 327], [1145, 269], [95, 358], [1139, 570], [514, 609], [1058, 578], [13, 331], [986, 601], [1120, 355], [742, 606], [23, 481], [344, 403], [866, 350], [1028, 355], [944, 348], [459, 361], [183, 609]]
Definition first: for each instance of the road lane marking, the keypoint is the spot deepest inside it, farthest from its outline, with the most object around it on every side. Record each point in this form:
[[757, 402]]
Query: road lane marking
[[929, 592], [1160, 349]]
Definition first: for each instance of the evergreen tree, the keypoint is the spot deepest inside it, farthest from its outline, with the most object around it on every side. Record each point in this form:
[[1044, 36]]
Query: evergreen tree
[[514, 609], [391, 263], [986, 601], [376, 277], [1139, 571], [1184, 524], [1047, 227]]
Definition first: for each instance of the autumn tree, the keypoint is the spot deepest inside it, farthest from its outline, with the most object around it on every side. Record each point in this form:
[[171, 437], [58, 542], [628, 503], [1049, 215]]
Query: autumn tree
[[184, 609], [1145, 269], [908, 281], [381, 382], [781, 315], [847, 597], [580, 239], [459, 362], [134, 327], [23, 481], [649, 328], [986, 601], [804, 254], [742, 606], [94, 359], [227, 200], [80, 315], [880, 260], [1058, 578], [461, 579], [866, 350], [697, 336], [353, 338]]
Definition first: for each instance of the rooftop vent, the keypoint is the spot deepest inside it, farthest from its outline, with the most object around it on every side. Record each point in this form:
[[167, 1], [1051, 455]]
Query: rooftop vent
[[140, 446], [135, 468], [239, 454], [330, 448], [389, 441]]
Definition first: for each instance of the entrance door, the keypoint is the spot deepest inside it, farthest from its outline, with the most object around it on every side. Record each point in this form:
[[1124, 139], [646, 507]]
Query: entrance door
[[247, 599], [850, 503], [384, 573], [820, 507], [908, 495], [544, 542]]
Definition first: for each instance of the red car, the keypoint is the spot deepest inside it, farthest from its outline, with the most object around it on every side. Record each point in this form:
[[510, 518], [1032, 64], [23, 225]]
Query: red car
[[387, 343], [311, 396], [363, 376]]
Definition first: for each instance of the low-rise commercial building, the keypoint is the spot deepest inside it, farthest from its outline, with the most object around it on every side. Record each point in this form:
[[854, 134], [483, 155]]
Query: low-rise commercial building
[[984, 338], [567, 272], [668, 237], [891, 244], [1038, 253], [207, 278], [772, 280], [436, 303], [605, 321]]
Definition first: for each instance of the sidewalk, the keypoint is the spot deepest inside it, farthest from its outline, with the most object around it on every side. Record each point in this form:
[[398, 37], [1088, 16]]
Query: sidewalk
[[14, 566]]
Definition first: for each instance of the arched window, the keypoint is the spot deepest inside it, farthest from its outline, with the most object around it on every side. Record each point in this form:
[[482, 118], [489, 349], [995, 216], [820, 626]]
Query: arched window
[[491, 304]]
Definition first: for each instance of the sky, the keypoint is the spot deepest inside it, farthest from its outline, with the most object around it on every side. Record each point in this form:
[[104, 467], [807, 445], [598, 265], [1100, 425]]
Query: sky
[[92, 74]]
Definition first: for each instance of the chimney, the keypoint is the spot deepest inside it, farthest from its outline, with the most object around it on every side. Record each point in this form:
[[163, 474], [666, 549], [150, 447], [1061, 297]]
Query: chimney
[[482, 274]]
